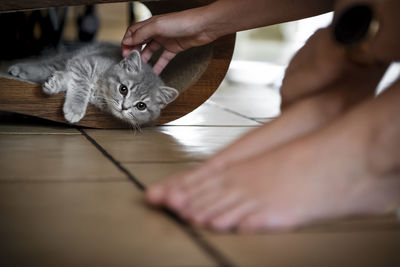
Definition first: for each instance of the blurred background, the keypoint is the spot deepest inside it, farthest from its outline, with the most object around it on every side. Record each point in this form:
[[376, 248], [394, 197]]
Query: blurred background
[[259, 61], [257, 53]]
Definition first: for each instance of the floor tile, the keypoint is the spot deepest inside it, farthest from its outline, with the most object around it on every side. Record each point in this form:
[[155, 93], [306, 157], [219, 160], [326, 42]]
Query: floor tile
[[11, 123], [352, 249], [211, 115], [167, 143], [249, 100], [53, 158], [149, 173], [88, 224]]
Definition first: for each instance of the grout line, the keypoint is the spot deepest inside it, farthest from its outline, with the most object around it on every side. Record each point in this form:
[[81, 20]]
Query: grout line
[[198, 238], [111, 158], [36, 133], [194, 235], [231, 111]]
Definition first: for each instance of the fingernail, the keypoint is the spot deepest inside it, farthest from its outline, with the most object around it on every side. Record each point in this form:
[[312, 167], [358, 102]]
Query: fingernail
[[127, 40]]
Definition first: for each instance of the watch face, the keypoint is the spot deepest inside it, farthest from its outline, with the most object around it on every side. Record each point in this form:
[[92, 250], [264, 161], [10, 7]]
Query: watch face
[[352, 25]]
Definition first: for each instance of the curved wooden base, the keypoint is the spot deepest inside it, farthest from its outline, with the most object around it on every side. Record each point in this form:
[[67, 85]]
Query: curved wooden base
[[27, 98]]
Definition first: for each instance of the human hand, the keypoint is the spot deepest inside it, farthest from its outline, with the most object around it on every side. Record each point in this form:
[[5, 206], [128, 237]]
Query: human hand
[[174, 32]]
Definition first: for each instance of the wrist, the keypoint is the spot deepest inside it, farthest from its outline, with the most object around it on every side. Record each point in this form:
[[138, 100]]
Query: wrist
[[198, 22]]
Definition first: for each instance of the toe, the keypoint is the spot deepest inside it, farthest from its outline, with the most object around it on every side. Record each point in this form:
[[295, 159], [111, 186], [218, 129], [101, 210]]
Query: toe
[[200, 203], [203, 215], [179, 194], [263, 220], [154, 194], [254, 222], [157, 193], [232, 216], [176, 200]]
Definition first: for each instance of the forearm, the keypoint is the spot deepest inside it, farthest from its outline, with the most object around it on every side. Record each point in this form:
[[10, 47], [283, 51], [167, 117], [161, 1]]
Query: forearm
[[228, 16]]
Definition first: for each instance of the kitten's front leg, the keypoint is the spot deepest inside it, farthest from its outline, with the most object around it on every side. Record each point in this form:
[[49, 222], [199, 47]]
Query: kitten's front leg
[[76, 100], [56, 83]]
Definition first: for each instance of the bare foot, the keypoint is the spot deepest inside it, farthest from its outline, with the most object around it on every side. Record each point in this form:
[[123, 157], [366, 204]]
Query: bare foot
[[349, 167], [301, 118], [314, 101]]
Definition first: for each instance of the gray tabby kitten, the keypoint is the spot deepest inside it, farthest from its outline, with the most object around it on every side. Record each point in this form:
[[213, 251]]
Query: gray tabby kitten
[[97, 74]]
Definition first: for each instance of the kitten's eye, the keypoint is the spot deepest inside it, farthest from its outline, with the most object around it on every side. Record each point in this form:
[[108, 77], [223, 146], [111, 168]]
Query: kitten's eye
[[141, 106], [123, 89]]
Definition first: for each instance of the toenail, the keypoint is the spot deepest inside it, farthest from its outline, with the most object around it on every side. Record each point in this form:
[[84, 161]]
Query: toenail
[[175, 200], [154, 195], [197, 219], [218, 225]]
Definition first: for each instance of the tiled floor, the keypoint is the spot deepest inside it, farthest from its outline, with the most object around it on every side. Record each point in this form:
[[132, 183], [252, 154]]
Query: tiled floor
[[73, 197]]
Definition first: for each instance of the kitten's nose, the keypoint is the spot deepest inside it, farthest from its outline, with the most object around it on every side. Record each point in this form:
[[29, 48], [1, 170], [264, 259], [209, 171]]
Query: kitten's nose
[[124, 108]]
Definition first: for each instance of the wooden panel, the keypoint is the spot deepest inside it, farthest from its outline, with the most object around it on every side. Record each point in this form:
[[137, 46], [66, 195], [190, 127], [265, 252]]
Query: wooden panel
[[36, 4], [28, 99]]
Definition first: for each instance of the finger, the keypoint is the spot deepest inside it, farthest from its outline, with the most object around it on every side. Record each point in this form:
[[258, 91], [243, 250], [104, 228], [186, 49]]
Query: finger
[[163, 61], [127, 49], [131, 30], [141, 34], [148, 51]]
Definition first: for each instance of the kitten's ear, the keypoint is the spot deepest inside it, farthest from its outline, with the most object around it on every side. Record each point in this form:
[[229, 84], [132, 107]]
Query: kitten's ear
[[132, 62], [166, 95]]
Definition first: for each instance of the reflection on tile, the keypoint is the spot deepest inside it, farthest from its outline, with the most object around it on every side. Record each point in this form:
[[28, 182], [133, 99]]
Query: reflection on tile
[[88, 224], [368, 223], [11, 123], [373, 248], [249, 100], [263, 120], [210, 115], [53, 158], [255, 73], [149, 173], [166, 143]]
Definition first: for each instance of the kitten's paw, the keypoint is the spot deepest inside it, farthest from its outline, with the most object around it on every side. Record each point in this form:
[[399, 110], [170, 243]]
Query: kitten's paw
[[53, 85], [18, 71], [72, 113]]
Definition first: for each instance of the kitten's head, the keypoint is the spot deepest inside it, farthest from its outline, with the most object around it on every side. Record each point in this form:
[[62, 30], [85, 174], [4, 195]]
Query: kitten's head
[[134, 92]]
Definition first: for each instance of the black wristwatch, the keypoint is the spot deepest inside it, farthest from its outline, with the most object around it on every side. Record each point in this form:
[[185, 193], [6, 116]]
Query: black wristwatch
[[354, 27]]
